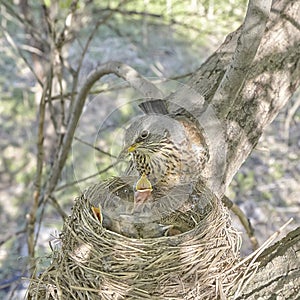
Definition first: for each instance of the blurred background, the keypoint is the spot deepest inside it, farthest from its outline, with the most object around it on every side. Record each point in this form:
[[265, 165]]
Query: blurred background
[[62, 41]]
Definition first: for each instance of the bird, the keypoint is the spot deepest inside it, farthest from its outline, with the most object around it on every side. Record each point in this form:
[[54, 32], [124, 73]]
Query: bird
[[169, 148], [160, 193], [117, 207]]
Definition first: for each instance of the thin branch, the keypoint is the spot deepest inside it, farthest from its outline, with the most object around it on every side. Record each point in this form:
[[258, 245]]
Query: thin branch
[[189, 74], [52, 35], [61, 91], [94, 147], [85, 178], [61, 40], [58, 207], [38, 229], [117, 88], [289, 117], [31, 217], [248, 42], [20, 53], [93, 92], [51, 106], [243, 219], [76, 73], [59, 60], [11, 235]]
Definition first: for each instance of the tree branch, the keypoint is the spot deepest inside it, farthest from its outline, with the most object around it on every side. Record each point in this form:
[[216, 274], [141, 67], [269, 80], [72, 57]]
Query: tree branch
[[279, 271], [247, 45]]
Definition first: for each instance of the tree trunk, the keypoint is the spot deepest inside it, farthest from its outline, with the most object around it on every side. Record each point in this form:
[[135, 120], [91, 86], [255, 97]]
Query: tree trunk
[[272, 79]]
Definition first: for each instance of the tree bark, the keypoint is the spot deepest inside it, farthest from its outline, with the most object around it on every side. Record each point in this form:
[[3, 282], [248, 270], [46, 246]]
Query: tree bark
[[278, 276], [271, 80]]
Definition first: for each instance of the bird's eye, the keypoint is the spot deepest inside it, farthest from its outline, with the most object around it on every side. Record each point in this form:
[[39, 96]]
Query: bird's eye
[[144, 134]]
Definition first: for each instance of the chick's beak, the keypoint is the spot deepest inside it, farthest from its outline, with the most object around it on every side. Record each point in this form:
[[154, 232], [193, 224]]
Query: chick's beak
[[143, 184], [143, 192]]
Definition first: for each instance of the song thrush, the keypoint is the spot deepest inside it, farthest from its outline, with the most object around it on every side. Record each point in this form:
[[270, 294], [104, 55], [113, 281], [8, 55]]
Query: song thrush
[[168, 152], [169, 148]]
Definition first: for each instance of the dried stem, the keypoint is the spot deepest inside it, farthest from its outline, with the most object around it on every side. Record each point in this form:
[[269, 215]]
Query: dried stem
[[31, 217]]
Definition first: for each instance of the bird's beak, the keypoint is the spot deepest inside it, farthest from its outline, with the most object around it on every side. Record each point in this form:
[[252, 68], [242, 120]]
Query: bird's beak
[[132, 147], [127, 150]]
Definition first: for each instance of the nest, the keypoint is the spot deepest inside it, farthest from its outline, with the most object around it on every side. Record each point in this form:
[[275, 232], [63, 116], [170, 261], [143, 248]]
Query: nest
[[97, 263]]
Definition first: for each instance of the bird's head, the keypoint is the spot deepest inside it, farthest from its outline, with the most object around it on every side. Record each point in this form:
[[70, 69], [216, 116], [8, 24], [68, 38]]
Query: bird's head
[[153, 142]]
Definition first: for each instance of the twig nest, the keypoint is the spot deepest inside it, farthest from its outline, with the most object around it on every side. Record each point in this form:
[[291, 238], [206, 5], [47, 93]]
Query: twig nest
[[97, 263]]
